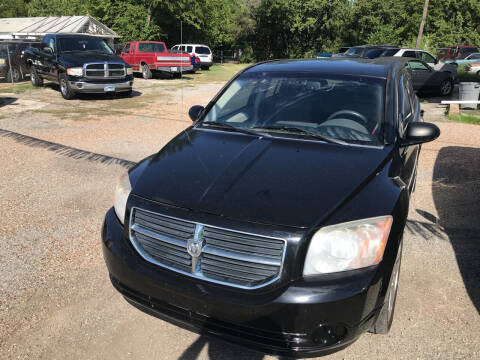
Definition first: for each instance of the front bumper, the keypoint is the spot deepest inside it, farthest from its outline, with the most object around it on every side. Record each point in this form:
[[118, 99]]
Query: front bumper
[[300, 319], [91, 87]]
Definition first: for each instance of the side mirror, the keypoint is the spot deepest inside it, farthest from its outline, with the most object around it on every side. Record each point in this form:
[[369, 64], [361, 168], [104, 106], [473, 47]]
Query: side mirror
[[419, 133], [48, 50], [195, 112]]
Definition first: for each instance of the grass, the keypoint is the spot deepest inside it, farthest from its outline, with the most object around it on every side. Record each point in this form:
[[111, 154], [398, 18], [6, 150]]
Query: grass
[[464, 76], [469, 119], [17, 89], [217, 73]]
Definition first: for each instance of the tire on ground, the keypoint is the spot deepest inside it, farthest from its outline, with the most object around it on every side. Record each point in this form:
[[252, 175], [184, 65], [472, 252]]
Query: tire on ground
[[146, 72], [35, 78], [65, 89]]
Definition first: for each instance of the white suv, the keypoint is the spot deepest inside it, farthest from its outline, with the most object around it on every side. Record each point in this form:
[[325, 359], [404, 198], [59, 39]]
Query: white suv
[[429, 59], [203, 52]]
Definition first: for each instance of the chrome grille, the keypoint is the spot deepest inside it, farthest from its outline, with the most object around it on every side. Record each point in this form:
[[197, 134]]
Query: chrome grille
[[228, 257], [104, 70]]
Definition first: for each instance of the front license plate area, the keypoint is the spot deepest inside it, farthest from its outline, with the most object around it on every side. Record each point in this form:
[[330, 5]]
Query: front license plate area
[[173, 68], [109, 88]]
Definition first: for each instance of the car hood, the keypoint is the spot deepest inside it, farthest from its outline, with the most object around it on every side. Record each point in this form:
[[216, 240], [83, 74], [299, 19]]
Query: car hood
[[266, 180], [80, 58]]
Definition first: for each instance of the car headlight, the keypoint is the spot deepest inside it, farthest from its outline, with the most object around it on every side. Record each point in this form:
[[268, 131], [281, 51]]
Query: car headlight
[[129, 71], [2, 61], [347, 246], [75, 71], [122, 191]]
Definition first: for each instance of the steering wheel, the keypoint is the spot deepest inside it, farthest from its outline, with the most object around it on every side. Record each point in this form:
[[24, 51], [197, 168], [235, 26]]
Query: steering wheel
[[357, 116]]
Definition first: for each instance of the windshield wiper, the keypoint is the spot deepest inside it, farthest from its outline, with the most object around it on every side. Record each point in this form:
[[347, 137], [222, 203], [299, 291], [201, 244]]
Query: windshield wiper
[[294, 129], [231, 128]]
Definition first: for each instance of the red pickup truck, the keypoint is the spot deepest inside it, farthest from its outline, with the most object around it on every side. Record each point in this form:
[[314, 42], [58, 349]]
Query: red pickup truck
[[151, 56]]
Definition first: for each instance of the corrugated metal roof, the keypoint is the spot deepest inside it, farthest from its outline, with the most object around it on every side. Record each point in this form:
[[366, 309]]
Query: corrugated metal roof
[[54, 24]]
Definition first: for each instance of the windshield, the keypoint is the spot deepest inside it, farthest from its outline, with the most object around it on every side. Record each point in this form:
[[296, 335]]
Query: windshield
[[70, 44], [354, 51], [340, 107]]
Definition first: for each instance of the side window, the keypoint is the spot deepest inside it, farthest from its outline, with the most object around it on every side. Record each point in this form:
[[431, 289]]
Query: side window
[[475, 56], [126, 49], [189, 49], [409, 54], [427, 57], [51, 43], [417, 65]]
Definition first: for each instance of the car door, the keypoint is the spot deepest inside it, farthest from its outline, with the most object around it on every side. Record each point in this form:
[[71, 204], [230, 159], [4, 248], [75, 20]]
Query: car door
[[422, 76], [409, 106], [49, 59]]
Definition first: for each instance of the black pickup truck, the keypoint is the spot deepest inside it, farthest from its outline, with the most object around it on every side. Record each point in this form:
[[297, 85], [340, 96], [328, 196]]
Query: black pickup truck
[[79, 64]]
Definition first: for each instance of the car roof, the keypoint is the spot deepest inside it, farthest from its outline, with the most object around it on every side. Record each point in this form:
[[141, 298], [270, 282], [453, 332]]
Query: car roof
[[379, 68], [192, 45], [410, 49], [147, 41], [377, 46]]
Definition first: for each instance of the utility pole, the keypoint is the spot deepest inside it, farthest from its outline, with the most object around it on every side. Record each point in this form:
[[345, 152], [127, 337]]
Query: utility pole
[[422, 24]]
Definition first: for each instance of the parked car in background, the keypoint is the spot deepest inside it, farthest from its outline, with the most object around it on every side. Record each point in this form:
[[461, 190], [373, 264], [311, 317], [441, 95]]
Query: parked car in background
[[341, 51], [13, 67], [79, 64], [431, 60], [370, 51], [473, 57], [276, 220], [459, 52], [322, 55], [427, 80], [473, 68], [202, 51], [148, 57], [196, 64]]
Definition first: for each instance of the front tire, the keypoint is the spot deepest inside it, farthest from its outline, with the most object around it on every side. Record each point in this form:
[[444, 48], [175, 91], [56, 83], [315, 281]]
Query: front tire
[[36, 80], [65, 89], [385, 317], [446, 87], [146, 72]]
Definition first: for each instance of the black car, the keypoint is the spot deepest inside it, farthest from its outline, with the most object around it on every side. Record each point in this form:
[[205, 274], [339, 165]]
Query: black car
[[427, 80], [370, 51], [79, 64], [12, 64], [275, 221]]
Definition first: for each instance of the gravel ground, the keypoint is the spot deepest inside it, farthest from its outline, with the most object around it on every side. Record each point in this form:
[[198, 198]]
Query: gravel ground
[[60, 161]]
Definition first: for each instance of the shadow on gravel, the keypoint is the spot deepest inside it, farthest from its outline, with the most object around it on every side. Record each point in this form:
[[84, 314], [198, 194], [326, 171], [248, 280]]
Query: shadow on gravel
[[6, 100], [65, 150], [218, 350], [456, 193]]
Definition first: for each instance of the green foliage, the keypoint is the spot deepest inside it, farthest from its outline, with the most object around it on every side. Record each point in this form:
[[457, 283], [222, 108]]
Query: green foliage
[[266, 29], [12, 8]]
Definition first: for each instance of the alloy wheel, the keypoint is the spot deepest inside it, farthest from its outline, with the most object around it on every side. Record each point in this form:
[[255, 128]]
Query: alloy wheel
[[63, 86], [446, 88]]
